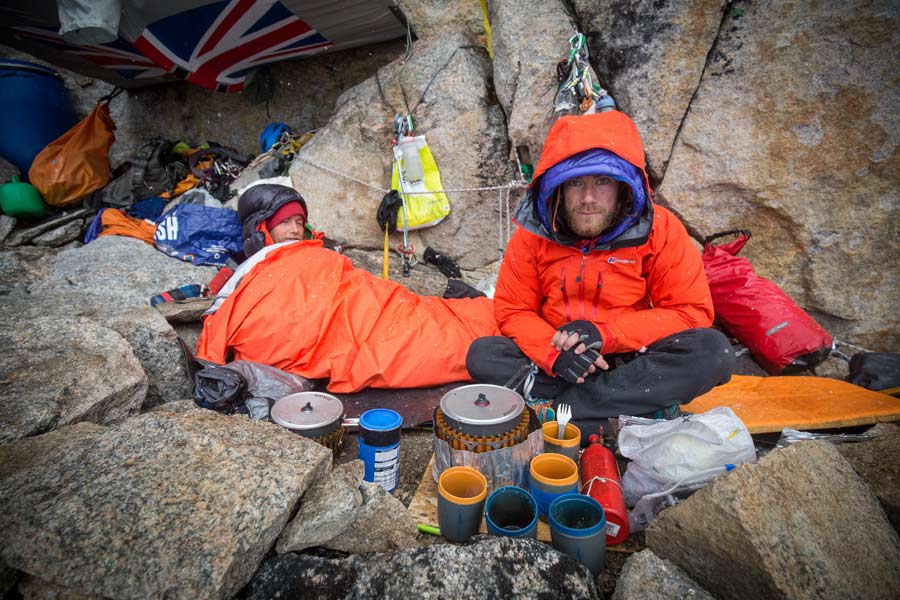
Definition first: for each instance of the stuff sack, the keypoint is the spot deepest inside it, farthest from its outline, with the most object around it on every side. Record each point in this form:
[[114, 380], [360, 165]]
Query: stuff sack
[[202, 235], [416, 170], [777, 332], [76, 163]]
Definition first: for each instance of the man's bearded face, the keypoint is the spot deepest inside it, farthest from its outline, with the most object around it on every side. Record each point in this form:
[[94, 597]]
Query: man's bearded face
[[590, 204]]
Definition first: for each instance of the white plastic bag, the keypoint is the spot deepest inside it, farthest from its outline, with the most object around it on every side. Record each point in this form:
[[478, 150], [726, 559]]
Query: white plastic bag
[[666, 452]]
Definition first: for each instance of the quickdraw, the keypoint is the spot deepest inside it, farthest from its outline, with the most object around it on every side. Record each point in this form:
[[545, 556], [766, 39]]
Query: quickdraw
[[576, 92], [403, 127]]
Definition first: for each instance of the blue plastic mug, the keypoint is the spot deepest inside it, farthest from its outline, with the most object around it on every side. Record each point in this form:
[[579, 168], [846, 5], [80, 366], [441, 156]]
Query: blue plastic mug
[[578, 528], [550, 476], [511, 512]]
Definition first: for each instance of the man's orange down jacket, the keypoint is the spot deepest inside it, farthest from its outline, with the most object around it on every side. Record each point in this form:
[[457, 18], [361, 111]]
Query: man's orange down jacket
[[645, 285]]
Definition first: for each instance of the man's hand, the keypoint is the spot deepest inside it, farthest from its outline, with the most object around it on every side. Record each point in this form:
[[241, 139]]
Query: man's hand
[[578, 343]]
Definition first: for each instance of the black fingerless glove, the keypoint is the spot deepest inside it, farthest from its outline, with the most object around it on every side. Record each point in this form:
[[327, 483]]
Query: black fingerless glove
[[571, 366]]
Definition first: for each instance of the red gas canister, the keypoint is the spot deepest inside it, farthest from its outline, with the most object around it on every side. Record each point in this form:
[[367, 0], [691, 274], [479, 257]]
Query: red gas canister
[[600, 480]]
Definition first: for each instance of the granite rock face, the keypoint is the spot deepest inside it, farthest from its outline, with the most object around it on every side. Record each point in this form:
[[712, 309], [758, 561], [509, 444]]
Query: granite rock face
[[651, 55], [784, 527], [435, 18], [794, 133], [47, 226], [326, 511], [646, 576], [164, 505], [876, 462], [380, 524], [124, 272], [488, 567], [69, 232], [529, 39], [7, 224], [22, 266], [44, 449], [156, 346], [62, 371], [444, 86]]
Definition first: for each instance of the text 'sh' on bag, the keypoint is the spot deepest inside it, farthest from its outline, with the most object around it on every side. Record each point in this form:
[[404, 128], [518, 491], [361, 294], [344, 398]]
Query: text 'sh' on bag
[[76, 163], [778, 333], [428, 205]]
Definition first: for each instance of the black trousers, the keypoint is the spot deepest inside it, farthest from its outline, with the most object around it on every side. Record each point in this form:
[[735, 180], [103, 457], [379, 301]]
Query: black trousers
[[674, 370]]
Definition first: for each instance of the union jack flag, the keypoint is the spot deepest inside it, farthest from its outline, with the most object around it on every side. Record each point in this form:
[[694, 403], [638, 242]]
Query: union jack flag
[[218, 44], [119, 56]]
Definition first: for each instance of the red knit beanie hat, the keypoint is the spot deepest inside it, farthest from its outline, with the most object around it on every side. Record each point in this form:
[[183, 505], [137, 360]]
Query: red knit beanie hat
[[288, 209]]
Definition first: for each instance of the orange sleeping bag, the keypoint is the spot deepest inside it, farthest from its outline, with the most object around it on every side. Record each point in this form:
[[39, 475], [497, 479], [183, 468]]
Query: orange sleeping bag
[[307, 310]]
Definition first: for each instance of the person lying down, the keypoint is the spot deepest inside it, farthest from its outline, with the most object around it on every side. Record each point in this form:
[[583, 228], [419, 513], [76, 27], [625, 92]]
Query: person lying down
[[298, 306]]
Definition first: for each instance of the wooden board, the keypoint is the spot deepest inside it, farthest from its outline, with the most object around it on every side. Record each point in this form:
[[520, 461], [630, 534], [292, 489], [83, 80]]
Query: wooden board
[[770, 404], [423, 508]]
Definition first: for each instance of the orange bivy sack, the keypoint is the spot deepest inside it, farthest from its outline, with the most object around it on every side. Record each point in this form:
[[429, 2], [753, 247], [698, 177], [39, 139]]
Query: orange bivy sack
[[76, 163]]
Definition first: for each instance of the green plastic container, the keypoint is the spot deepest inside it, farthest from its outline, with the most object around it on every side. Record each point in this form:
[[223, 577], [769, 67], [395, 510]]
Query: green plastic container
[[22, 200]]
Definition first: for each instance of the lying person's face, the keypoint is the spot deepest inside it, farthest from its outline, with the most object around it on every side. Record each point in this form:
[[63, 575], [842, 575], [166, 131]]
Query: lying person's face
[[590, 203], [289, 229]]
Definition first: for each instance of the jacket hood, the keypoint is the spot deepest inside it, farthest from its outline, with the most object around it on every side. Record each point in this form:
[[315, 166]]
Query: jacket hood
[[258, 204], [606, 143]]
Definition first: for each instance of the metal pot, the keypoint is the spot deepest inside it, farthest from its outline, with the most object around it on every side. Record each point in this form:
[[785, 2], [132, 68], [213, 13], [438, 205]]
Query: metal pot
[[310, 414], [482, 409]]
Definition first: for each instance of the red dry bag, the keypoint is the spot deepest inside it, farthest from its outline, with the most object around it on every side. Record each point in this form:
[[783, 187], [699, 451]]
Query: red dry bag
[[776, 331]]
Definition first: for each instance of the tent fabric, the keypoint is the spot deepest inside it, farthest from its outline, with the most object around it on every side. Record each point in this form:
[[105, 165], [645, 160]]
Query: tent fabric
[[215, 44], [308, 311], [769, 404]]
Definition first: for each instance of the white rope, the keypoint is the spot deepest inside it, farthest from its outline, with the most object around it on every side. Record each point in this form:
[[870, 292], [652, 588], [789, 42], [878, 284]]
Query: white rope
[[590, 483], [511, 185]]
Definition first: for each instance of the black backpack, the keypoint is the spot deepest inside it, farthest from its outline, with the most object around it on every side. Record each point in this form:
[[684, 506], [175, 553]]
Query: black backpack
[[152, 170]]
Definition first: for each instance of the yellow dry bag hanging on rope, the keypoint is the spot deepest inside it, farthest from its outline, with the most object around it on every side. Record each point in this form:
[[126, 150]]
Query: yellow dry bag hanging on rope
[[416, 177]]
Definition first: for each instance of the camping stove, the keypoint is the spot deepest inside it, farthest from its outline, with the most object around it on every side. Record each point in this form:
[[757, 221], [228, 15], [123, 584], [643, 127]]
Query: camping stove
[[481, 418]]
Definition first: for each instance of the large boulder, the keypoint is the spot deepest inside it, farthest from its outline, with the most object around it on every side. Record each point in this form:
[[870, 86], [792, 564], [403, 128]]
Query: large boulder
[[22, 266], [651, 55], [445, 86], [123, 272], [382, 523], [784, 527], [326, 510], [57, 370], [646, 576], [488, 567], [793, 133], [529, 39], [876, 462], [163, 505], [157, 347]]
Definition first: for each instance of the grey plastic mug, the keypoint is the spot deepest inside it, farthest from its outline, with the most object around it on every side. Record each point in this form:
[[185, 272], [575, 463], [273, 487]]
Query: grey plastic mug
[[578, 528], [461, 495]]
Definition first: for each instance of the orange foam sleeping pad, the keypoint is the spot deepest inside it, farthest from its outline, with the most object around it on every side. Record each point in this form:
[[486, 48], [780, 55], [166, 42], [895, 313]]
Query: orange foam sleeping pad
[[769, 404]]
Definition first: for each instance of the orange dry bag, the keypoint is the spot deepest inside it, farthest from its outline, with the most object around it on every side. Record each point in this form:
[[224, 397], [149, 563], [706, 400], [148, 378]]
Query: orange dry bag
[[76, 163]]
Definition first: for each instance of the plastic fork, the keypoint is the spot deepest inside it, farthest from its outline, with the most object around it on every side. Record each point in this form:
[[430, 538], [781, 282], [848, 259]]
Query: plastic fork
[[563, 416]]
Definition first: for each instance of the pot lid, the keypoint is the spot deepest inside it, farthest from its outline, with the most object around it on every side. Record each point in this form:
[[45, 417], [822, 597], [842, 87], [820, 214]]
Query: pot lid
[[307, 410], [482, 404]]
